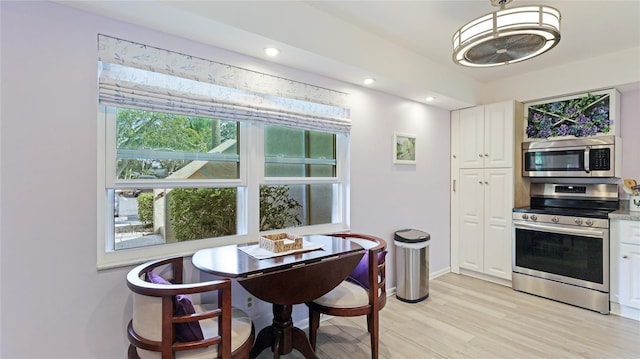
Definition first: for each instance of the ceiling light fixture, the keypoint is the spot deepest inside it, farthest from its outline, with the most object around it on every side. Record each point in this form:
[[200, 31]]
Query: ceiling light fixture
[[429, 98], [369, 81], [271, 51], [507, 36]]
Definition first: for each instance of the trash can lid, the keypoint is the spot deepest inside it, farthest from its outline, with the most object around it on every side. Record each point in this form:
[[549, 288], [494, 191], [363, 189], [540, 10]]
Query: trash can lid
[[411, 236]]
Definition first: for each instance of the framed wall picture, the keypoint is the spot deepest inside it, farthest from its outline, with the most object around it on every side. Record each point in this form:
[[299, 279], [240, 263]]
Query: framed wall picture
[[404, 148], [595, 113]]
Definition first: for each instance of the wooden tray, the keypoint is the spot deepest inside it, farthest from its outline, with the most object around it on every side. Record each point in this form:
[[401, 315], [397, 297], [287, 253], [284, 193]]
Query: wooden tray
[[280, 242]]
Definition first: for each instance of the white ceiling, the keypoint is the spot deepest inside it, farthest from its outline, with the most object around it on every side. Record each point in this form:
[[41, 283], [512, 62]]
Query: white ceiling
[[405, 45]]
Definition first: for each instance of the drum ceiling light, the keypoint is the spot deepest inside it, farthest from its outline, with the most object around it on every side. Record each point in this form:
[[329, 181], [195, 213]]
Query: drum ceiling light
[[507, 36]]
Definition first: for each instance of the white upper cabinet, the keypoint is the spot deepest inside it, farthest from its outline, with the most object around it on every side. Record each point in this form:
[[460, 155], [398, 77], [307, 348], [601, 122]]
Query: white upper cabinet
[[471, 137], [499, 135], [487, 136]]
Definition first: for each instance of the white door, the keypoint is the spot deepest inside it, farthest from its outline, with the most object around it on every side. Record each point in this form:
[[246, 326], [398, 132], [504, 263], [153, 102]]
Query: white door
[[471, 137], [498, 200], [498, 135], [470, 203], [629, 275]]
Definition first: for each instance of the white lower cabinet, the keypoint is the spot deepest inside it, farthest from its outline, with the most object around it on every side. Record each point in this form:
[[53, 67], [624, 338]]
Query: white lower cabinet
[[486, 200], [629, 276], [625, 268]]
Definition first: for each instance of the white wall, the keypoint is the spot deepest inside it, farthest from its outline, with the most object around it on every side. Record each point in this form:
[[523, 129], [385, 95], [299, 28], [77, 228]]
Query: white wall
[[54, 303], [619, 70], [630, 133], [401, 196]]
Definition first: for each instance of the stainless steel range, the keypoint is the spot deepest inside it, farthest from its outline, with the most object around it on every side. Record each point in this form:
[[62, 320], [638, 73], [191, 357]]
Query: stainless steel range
[[561, 243]]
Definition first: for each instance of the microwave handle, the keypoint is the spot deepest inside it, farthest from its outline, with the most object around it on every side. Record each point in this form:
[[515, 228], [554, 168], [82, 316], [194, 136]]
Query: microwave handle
[[587, 150]]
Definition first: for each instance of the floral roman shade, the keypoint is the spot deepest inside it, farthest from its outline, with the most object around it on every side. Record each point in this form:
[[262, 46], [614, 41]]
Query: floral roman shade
[[143, 77]]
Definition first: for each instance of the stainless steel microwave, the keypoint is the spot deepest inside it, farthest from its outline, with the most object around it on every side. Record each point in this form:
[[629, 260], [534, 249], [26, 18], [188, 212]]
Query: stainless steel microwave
[[579, 157]]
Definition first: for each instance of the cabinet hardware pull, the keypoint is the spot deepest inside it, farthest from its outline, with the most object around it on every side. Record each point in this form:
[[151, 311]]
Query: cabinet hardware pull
[[454, 156], [485, 182], [486, 155], [479, 154], [625, 257], [480, 182], [454, 185]]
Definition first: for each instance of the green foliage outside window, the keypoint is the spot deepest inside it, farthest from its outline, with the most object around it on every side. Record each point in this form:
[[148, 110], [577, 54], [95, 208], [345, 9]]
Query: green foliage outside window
[[277, 209], [145, 208], [202, 212], [211, 212], [141, 130]]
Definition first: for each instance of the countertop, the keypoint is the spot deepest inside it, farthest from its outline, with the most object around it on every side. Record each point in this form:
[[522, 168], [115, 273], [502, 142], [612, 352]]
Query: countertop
[[624, 213]]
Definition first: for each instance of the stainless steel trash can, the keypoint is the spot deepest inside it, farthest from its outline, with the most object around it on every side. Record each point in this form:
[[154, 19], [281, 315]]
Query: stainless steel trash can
[[412, 265]]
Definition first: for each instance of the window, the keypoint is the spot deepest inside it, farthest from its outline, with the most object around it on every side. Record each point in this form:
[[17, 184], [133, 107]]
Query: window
[[190, 161], [152, 148], [304, 163]]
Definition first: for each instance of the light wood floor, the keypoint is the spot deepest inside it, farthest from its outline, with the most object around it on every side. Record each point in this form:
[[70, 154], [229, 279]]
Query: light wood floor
[[466, 317]]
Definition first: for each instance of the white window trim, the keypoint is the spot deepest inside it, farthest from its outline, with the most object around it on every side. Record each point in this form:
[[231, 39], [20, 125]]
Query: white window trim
[[252, 151]]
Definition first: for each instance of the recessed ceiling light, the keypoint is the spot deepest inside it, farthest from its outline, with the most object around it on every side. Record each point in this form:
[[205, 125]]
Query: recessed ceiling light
[[369, 81], [271, 51], [429, 98]]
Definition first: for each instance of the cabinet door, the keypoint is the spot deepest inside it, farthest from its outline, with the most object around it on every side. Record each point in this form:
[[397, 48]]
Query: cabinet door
[[471, 137], [471, 241], [498, 206], [499, 135], [629, 275]]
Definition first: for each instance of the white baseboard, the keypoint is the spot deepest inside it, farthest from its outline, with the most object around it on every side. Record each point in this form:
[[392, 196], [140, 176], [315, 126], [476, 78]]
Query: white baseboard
[[439, 273], [624, 311], [488, 278]]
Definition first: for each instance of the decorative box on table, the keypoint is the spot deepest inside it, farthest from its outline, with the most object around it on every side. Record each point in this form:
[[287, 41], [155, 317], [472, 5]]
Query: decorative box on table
[[594, 113], [280, 242]]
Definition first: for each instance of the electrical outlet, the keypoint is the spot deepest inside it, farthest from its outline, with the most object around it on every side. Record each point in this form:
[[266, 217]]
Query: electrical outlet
[[249, 303]]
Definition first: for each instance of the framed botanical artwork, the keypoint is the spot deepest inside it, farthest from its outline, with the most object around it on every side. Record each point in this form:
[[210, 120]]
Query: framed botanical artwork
[[404, 148], [582, 115]]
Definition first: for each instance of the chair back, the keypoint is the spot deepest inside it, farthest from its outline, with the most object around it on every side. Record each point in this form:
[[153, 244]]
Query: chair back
[[367, 297], [376, 265], [156, 316]]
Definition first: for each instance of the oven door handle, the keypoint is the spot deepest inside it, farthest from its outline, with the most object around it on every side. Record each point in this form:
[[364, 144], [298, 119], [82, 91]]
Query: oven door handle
[[549, 228]]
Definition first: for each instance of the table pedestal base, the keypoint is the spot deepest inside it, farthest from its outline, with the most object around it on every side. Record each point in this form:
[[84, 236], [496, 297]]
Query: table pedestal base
[[282, 336]]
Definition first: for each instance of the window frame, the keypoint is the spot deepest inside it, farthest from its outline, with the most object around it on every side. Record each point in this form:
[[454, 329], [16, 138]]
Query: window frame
[[252, 161]]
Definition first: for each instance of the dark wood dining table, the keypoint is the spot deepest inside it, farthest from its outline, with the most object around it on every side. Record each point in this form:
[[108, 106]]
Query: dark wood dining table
[[284, 281]]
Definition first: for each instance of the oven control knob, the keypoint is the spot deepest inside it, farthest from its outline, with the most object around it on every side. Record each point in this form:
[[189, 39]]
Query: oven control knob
[[578, 221], [534, 217], [525, 216], [589, 222], [555, 219]]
